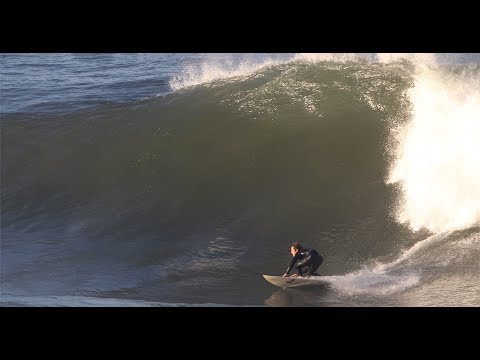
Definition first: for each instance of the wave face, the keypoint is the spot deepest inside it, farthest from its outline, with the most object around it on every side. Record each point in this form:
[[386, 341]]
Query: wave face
[[180, 179]]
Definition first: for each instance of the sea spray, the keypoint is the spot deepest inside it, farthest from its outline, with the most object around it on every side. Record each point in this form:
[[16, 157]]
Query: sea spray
[[438, 163]]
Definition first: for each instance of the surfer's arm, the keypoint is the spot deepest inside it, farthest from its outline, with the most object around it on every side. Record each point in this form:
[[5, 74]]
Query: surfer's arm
[[292, 263]]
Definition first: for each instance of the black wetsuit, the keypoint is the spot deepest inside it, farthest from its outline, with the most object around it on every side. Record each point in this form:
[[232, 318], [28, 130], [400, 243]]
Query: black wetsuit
[[308, 258]]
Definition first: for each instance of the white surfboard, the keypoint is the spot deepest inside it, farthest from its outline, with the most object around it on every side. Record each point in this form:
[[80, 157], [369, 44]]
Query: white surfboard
[[285, 282]]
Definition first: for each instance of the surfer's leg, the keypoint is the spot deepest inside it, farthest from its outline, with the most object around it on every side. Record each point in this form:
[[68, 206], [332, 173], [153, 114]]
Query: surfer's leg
[[310, 265], [310, 269], [315, 264]]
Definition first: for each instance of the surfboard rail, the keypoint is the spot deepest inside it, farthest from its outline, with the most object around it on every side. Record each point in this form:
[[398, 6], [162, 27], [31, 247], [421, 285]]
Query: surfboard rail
[[285, 282]]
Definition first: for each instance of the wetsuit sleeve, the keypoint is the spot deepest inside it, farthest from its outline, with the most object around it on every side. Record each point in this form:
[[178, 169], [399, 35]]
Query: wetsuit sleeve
[[294, 260]]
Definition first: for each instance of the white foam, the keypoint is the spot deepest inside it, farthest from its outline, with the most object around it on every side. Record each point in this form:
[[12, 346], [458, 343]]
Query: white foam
[[438, 158], [384, 279], [373, 281], [422, 58], [337, 57]]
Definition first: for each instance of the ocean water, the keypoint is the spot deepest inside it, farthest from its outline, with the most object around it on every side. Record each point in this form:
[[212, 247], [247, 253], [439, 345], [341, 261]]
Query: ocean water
[[179, 179]]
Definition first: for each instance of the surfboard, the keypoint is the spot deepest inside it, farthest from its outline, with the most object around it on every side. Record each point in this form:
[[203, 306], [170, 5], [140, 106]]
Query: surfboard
[[285, 282]]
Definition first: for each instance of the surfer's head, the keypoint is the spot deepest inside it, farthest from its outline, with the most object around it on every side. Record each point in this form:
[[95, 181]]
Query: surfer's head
[[294, 248]]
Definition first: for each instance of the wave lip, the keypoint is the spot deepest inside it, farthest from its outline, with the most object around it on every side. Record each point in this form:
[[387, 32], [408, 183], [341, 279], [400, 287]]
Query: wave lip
[[216, 68]]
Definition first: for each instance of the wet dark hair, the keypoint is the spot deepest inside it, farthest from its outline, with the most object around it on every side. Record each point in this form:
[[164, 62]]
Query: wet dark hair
[[296, 246]]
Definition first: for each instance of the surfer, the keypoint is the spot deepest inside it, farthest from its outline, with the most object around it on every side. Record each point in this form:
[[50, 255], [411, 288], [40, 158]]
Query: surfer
[[304, 258]]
